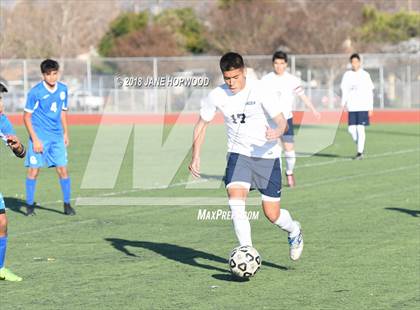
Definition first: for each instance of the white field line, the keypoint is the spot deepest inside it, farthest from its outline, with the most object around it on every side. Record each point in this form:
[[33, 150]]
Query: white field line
[[82, 199], [212, 201], [334, 161], [134, 214], [355, 176]]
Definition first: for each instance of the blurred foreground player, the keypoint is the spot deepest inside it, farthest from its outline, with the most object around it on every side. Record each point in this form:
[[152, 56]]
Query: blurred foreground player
[[8, 136]]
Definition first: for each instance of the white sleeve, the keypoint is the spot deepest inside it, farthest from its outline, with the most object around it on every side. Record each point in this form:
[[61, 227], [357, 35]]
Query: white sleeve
[[370, 83], [344, 91], [208, 108], [272, 105], [371, 88], [297, 86]]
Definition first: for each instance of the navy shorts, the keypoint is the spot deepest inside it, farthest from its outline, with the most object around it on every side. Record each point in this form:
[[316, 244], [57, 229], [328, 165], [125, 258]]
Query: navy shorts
[[259, 173], [359, 118], [288, 135]]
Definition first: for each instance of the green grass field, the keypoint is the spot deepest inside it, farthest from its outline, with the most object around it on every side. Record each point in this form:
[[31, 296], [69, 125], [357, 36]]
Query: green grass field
[[360, 221]]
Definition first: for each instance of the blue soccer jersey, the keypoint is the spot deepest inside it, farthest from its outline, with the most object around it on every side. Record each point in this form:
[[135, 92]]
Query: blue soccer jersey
[[46, 105], [6, 127]]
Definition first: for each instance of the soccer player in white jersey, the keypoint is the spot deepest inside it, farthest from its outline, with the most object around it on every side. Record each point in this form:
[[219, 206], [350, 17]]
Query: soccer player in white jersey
[[357, 95], [287, 87], [254, 121]]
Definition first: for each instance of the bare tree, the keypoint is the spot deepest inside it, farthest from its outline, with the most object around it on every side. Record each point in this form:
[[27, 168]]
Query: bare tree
[[154, 41], [249, 27], [54, 28]]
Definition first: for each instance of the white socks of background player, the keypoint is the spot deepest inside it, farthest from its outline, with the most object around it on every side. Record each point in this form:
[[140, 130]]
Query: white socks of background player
[[361, 138], [240, 221], [286, 223], [353, 132], [290, 161], [358, 134]]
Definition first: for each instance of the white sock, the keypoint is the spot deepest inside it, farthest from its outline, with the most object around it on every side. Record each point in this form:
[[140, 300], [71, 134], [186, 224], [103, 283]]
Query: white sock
[[240, 221], [361, 138], [286, 223], [290, 161], [353, 132]]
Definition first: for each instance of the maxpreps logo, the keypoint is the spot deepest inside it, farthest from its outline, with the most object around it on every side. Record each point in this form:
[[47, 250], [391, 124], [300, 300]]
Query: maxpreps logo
[[207, 215]]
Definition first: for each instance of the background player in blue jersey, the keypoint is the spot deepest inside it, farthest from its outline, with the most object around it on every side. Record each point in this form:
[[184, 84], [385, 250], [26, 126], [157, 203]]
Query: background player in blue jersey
[[46, 121], [7, 135]]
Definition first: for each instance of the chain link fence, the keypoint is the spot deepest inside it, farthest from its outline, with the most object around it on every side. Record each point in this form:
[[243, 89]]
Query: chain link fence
[[107, 84]]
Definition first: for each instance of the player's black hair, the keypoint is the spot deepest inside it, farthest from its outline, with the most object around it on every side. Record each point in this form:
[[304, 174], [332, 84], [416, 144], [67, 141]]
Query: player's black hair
[[355, 55], [231, 61], [49, 65], [3, 88], [280, 55]]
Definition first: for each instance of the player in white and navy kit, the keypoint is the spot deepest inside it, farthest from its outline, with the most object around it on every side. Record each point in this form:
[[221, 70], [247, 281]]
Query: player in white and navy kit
[[8, 137], [45, 119], [254, 122], [357, 95], [287, 87]]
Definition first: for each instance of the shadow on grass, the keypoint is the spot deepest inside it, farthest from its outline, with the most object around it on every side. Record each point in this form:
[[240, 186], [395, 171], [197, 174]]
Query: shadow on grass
[[18, 205], [328, 155], [182, 255], [414, 213]]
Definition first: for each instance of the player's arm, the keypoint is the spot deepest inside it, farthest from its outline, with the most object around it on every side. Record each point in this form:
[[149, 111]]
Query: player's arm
[[8, 135], [275, 133], [309, 104], [37, 144], [344, 91], [64, 120], [65, 127], [198, 140], [371, 87], [16, 146]]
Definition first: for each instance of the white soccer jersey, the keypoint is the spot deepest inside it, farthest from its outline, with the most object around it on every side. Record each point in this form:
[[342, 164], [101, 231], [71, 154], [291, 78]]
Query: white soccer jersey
[[286, 87], [247, 115], [357, 90]]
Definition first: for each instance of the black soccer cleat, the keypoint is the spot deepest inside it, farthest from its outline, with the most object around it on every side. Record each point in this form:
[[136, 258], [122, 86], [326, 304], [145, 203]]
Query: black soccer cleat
[[68, 210], [30, 210], [359, 156]]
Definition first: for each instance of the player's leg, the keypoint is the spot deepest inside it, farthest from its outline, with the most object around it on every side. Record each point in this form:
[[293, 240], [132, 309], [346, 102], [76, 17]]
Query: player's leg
[[237, 197], [33, 161], [31, 177], [57, 157], [289, 153], [353, 132], [283, 219], [362, 121], [5, 274], [270, 189], [237, 181], [290, 157], [65, 184], [352, 129], [361, 139]]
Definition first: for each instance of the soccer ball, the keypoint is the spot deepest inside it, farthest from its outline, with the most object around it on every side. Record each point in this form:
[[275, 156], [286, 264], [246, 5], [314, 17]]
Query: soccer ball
[[244, 261]]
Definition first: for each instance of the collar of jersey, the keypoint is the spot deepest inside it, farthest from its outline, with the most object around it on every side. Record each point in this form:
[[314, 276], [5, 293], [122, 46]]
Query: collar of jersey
[[48, 89]]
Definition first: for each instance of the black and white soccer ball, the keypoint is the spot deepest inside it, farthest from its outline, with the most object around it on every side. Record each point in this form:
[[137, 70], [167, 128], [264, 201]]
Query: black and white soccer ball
[[244, 261]]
